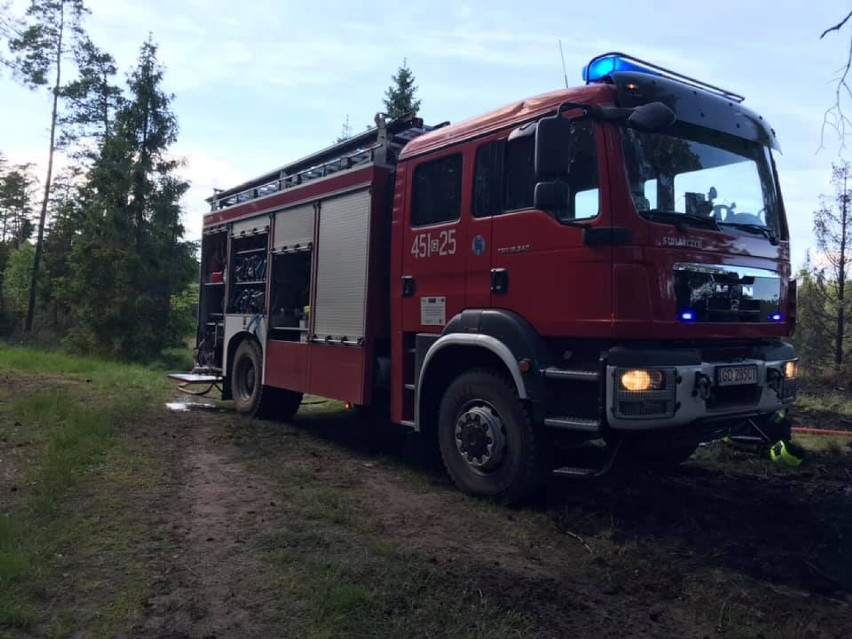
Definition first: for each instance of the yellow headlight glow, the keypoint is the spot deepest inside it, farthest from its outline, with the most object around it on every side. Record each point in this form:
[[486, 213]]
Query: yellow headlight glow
[[791, 370], [636, 381]]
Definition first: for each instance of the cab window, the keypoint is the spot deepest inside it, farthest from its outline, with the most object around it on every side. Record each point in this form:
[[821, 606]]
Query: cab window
[[514, 178], [436, 191]]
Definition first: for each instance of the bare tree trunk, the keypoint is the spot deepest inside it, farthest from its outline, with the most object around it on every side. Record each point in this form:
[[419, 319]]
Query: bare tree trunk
[[28, 326], [841, 275]]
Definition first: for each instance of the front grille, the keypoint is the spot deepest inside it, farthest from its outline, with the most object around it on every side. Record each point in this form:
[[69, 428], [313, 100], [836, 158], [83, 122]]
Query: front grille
[[716, 293]]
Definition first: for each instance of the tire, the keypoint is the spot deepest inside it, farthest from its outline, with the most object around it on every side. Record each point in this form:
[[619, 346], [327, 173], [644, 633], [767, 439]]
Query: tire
[[279, 404], [480, 413], [246, 375], [250, 397]]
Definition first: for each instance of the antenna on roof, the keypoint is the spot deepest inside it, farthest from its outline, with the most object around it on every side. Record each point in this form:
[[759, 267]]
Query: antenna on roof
[[562, 55]]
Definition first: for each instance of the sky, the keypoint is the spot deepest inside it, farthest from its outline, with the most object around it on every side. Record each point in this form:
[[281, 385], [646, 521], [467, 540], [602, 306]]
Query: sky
[[259, 83]]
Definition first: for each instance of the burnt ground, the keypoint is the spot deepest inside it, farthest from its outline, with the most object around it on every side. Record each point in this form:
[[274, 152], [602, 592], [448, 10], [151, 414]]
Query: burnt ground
[[324, 528]]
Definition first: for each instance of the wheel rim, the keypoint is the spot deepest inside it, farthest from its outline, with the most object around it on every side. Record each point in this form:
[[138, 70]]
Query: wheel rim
[[480, 436]]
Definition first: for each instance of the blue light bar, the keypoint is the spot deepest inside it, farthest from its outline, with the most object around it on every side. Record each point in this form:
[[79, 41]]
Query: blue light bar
[[776, 317], [605, 65], [687, 316]]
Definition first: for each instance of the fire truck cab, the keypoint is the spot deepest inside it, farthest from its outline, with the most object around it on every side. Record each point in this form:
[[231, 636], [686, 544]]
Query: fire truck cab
[[604, 263]]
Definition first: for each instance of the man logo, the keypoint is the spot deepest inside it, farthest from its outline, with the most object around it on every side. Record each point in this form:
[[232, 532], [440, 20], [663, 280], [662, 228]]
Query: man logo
[[735, 304]]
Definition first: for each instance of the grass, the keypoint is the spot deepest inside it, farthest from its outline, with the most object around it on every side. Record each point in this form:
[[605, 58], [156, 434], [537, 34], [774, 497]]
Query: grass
[[105, 373], [338, 572], [340, 577], [66, 544], [834, 402]]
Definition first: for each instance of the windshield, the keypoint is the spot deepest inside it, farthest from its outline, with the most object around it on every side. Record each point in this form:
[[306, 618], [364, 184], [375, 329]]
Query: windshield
[[702, 177]]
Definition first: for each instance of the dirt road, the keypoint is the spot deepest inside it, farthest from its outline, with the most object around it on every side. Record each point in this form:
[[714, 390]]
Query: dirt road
[[319, 528]]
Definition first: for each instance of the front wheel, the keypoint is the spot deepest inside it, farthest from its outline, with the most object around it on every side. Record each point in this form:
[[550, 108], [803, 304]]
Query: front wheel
[[487, 442]]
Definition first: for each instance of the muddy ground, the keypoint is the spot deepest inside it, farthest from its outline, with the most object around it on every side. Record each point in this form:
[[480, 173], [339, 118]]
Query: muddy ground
[[322, 528]]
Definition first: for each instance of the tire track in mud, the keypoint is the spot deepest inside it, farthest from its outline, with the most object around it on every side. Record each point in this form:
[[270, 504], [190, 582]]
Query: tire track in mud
[[211, 509]]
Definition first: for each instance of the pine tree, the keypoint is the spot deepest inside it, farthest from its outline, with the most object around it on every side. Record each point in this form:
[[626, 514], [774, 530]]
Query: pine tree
[[399, 96], [17, 195], [131, 256], [65, 216], [345, 132], [91, 100], [51, 29]]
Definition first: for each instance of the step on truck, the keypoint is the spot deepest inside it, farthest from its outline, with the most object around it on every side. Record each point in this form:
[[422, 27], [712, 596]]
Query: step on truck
[[608, 263]]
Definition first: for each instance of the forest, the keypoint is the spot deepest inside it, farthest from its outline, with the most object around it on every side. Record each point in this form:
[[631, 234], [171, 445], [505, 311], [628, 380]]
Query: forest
[[94, 255]]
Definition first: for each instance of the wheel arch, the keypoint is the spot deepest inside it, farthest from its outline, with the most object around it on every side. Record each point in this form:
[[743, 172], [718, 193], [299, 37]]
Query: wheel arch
[[492, 339]]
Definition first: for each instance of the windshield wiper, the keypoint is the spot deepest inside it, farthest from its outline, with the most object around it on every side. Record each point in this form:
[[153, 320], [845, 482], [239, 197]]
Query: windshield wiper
[[676, 217], [757, 229]]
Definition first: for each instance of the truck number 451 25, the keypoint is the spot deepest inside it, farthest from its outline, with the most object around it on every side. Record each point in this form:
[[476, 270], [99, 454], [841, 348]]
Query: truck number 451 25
[[429, 245]]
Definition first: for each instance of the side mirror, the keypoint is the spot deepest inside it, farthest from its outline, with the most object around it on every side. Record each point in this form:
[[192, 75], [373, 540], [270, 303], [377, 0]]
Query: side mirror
[[651, 117], [551, 196], [553, 138]]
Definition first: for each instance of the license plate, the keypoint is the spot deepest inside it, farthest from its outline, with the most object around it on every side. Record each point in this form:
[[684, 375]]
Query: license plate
[[736, 375]]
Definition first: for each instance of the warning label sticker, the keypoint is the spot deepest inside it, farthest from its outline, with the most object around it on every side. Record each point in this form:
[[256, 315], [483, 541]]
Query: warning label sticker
[[433, 311]]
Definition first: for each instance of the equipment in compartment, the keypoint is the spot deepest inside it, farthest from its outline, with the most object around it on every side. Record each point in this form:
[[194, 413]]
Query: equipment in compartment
[[214, 252], [248, 272], [290, 292]]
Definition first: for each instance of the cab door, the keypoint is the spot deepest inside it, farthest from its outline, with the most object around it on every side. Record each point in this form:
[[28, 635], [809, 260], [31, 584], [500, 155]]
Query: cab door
[[484, 203], [544, 266], [433, 260]]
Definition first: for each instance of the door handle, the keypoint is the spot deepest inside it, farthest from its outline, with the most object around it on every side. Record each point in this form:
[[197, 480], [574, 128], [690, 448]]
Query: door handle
[[407, 285], [499, 280]]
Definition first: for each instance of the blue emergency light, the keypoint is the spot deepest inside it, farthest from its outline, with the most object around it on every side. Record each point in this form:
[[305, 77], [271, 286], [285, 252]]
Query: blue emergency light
[[603, 66], [607, 64], [776, 317], [687, 316]]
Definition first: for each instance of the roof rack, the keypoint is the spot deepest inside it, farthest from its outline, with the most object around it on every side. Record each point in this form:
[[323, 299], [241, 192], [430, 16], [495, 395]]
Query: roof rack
[[615, 61], [380, 144]]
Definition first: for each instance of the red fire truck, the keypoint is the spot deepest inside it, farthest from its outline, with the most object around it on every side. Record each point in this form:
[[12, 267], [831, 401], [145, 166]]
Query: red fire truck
[[608, 263]]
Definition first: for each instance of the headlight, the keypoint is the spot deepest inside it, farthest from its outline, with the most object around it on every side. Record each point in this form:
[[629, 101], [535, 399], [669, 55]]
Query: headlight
[[640, 380], [791, 370]]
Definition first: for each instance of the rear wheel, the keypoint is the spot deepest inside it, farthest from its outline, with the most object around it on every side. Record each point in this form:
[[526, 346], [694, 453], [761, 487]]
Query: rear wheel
[[246, 376], [250, 396], [487, 442], [279, 404]]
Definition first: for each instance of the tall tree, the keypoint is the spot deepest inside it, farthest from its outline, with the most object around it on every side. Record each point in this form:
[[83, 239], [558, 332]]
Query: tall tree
[[92, 99], [399, 96], [17, 194], [345, 131], [131, 257], [65, 229], [51, 29], [833, 230]]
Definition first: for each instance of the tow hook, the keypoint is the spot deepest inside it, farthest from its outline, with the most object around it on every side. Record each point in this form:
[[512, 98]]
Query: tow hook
[[703, 384]]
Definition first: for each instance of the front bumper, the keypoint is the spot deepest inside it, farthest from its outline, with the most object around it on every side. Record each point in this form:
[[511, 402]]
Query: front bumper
[[692, 393]]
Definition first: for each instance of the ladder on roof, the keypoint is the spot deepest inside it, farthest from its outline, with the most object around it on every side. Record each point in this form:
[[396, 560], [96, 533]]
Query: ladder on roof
[[381, 144]]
